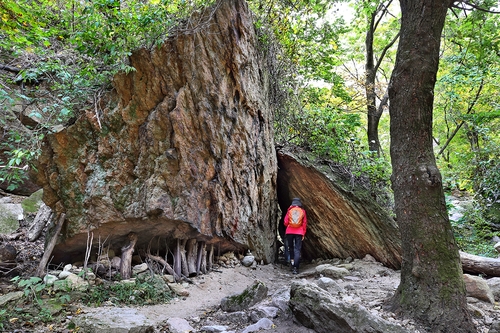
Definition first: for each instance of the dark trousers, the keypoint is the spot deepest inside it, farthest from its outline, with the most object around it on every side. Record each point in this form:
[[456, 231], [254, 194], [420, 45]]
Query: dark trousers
[[294, 247]]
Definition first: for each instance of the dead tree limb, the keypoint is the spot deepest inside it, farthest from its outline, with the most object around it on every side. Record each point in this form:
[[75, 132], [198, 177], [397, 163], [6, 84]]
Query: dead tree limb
[[11, 237], [480, 265], [50, 246], [43, 216], [127, 252], [177, 258], [165, 264]]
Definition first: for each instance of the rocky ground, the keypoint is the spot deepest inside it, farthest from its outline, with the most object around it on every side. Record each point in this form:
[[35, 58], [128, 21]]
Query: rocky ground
[[368, 283]]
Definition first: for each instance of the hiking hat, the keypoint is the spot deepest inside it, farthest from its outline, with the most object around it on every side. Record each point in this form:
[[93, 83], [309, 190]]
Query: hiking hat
[[296, 202]]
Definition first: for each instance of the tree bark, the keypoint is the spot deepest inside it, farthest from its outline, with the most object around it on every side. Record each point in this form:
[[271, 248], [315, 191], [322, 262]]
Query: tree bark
[[43, 216], [177, 258], [191, 255], [184, 265], [432, 290], [50, 246], [199, 260], [371, 68], [127, 252], [210, 262]]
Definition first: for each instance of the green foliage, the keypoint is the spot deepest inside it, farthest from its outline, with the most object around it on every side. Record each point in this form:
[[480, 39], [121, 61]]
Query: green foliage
[[67, 53], [473, 233], [145, 290], [32, 287], [3, 318]]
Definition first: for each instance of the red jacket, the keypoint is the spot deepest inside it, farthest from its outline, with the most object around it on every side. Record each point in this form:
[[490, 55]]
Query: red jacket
[[296, 231]]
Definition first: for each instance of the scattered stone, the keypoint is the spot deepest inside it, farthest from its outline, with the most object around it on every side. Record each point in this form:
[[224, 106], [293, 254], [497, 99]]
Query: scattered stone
[[248, 261], [64, 274], [140, 268], [329, 285], [114, 320], [238, 317], [477, 287], [168, 278], [331, 271], [179, 325], [12, 296], [250, 296], [178, 289], [71, 282], [214, 328], [263, 312], [494, 284], [263, 324], [49, 279], [280, 299]]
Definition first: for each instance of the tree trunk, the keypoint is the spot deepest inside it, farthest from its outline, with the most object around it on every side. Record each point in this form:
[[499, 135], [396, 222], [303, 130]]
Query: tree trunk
[[184, 265], [371, 68], [192, 254], [432, 290], [127, 252], [177, 258], [199, 259], [210, 262]]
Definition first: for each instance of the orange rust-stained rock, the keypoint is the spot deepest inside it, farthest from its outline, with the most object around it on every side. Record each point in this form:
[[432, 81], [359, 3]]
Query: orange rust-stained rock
[[183, 150], [343, 220]]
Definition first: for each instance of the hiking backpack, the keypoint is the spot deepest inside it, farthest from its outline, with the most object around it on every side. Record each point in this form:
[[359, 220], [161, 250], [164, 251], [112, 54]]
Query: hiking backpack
[[295, 217]]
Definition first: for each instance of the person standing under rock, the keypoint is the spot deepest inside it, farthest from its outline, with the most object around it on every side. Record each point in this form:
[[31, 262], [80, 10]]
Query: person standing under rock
[[296, 225]]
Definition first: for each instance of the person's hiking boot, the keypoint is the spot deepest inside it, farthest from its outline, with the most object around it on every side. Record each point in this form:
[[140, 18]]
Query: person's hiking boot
[[295, 270]]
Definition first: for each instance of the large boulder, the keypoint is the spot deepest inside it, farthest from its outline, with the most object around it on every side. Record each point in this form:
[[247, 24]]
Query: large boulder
[[315, 308], [344, 220], [183, 150]]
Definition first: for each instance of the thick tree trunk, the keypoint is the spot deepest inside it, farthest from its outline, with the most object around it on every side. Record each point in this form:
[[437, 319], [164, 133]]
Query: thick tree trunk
[[432, 289], [127, 252]]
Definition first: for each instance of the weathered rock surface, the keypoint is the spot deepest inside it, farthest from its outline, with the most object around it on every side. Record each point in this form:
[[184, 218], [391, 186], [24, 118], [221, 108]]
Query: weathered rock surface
[[184, 150], [316, 309], [250, 296], [478, 287], [343, 220]]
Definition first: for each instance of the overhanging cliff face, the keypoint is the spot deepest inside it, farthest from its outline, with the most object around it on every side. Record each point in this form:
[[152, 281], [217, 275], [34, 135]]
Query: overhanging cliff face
[[343, 219], [183, 150]]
